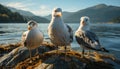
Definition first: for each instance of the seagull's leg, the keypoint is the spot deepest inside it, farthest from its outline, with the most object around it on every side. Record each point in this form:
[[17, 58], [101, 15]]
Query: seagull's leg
[[57, 50], [65, 52], [30, 55], [37, 52], [83, 53], [89, 52], [69, 48]]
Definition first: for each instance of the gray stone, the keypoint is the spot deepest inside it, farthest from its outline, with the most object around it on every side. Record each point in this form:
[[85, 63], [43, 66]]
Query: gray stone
[[59, 62], [19, 54]]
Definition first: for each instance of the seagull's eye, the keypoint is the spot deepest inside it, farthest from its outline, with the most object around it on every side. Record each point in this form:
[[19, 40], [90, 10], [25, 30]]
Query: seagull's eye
[[30, 23], [55, 10], [34, 24]]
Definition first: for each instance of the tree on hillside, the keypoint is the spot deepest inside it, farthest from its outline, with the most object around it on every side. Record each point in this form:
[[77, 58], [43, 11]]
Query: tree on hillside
[[116, 20], [7, 16]]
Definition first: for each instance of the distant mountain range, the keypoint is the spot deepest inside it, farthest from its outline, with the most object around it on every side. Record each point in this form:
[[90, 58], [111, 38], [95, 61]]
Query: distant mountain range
[[22, 12], [99, 13], [7, 16], [65, 15], [13, 15], [29, 16]]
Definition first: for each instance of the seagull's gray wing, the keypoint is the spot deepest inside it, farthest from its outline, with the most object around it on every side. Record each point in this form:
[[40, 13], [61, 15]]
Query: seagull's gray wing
[[70, 32], [88, 39], [92, 37]]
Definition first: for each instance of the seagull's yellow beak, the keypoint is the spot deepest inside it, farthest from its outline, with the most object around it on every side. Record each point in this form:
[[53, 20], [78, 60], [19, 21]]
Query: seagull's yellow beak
[[59, 14], [29, 27], [83, 23]]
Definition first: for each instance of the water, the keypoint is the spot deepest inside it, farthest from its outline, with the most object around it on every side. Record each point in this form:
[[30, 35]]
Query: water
[[109, 34]]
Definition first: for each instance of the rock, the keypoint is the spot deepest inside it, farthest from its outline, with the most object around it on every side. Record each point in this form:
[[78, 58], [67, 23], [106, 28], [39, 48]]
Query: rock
[[15, 56], [6, 48], [61, 62], [50, 58], [57, 60], [19, 54]]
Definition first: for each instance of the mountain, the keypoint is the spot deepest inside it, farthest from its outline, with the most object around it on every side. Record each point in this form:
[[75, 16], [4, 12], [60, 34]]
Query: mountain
[[30, 16], [7, 16], [37, 19], [116, 20], [98, 13], [22, 12], [65, 15]]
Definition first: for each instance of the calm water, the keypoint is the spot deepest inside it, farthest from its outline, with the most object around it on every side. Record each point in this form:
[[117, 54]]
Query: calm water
[[109, 34]]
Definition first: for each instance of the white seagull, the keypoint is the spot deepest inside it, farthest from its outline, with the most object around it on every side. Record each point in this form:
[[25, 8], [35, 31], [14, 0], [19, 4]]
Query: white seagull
[[86, 38], [32, 38], [60, 33]]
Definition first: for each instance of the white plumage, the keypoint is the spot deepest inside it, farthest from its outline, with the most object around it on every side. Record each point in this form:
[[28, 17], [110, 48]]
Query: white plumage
[[86, 38], [33, 37], [60, 33]]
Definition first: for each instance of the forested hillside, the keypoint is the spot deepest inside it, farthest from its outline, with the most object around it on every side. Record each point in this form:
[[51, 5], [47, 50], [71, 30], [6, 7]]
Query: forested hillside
[[6, 16]]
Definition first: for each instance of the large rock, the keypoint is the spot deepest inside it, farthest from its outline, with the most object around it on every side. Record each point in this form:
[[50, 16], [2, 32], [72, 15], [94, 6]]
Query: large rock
[[61, 62], [19, 54], [50, 58]]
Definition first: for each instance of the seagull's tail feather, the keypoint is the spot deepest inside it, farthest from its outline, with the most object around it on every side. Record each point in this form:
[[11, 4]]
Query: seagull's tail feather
[[104, 50]]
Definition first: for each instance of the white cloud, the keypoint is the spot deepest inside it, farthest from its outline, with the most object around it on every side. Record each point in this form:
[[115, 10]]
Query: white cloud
[[18, 5], [42, 11], [43, 7]]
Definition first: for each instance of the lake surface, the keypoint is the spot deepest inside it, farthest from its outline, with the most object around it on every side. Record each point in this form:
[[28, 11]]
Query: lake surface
[[109, 34]]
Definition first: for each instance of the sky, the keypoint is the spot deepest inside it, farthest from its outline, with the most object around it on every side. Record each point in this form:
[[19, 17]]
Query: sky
[[44, 7]]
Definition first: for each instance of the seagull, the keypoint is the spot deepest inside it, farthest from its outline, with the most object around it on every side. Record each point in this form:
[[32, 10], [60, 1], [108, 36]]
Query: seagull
[[33, 37], [59, 33], [86, 38]]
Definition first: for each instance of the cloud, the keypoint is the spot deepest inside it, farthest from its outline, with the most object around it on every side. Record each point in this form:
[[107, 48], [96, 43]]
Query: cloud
[[42, 11], [18, 5]]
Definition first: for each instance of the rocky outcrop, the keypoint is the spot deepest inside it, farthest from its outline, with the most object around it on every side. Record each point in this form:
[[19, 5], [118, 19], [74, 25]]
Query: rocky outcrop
[[50, 58], [60, 61], [15, 54]]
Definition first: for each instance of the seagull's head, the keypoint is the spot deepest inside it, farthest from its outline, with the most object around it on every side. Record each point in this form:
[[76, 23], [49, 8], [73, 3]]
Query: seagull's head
[[84, 23], [57, 12], [32, 24]]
